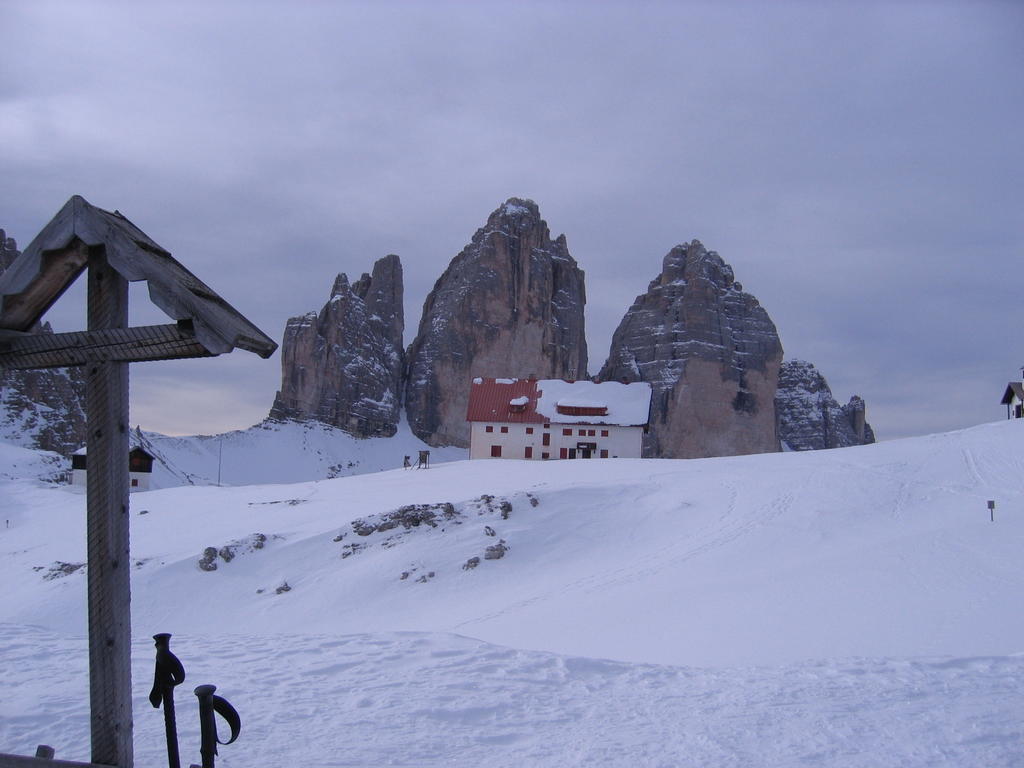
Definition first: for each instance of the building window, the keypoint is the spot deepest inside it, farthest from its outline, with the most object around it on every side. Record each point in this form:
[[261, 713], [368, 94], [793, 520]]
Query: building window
[[488, 428], [547, 426], [547, 438], [135, 482], [563, 453], [545, 455], [604, 433], [572, 453], [567, 432], [528, 452], [604, 453], [495, 451], [591, 433], [582, 433], [504, 430], [529, 430]]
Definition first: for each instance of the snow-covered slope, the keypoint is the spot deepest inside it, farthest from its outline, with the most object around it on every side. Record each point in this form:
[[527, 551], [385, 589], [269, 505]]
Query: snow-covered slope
[[25, 466], [844, 607], [280, 452]]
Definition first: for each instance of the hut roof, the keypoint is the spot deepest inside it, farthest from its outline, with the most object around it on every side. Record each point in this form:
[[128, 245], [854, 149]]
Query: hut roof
[[1013, 388], [51, 263]]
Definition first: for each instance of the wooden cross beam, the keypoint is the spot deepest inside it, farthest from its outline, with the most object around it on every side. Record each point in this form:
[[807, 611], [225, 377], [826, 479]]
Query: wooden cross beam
[[120, 345], [113, 251]]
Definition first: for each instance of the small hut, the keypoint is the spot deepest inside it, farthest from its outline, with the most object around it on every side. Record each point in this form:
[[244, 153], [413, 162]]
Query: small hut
[[1013, 399], [140, 468]]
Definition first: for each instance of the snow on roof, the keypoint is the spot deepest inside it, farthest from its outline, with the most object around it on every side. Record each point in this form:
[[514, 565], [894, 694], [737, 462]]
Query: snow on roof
[[627, 404], [579, 402], [492, 400], [1013, 388], [134, 444], [624, 404]]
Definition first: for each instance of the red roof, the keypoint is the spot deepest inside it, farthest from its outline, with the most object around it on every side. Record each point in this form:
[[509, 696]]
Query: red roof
[[489, 401]]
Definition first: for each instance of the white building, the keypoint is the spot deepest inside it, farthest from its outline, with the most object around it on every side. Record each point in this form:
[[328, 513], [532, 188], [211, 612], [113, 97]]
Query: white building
[[557, 419], [140, 468], [1013, 399]]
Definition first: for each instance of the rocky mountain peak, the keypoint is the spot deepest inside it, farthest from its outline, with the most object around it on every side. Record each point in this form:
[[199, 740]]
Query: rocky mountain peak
[[8, 250], [810, 418], [509, 304], [711, 354], [42, 409], [694, 260], [516, 208], [343, 366], [341, 286]]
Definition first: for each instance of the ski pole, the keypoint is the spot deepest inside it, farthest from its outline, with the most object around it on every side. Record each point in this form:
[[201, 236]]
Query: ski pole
[[209, 706], [169, 673]]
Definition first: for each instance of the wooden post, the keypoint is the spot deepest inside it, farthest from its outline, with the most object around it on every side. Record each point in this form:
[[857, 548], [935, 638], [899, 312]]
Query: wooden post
[[110, 686]]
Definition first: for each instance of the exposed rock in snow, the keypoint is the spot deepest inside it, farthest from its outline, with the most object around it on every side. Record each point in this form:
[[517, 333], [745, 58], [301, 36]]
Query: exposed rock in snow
[[810, 418], [343, 367], [509, 305], [711, 354], [42, 409]]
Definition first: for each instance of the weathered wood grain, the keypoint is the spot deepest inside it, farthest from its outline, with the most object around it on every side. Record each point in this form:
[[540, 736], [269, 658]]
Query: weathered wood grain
[[51, 274], [107, 527], [123, 345]]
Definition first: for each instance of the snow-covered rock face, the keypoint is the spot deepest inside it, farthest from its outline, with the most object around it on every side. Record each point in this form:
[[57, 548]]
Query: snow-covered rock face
[[509, 305], [711, 354], [810, 418], [8, 250], [42, 409], [343, 367]]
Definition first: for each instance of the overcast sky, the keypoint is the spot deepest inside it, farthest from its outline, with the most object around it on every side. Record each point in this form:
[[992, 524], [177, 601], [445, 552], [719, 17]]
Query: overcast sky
[[860, 165]]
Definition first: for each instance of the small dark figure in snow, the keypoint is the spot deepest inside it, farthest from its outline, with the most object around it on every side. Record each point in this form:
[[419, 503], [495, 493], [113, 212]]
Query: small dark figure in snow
[[424, 460], [405, 462]]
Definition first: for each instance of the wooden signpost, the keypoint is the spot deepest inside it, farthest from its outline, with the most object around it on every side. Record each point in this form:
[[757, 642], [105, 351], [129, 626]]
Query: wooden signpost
[[113, 251]]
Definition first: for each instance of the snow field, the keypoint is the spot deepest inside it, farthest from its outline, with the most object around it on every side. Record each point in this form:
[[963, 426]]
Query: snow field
[[433, 699], [852, 607]]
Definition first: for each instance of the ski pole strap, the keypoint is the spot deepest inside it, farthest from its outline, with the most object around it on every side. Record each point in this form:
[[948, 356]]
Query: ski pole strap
[[210, 706], [223, 708]]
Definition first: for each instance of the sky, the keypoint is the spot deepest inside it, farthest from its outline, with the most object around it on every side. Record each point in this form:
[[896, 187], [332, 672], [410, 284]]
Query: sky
[[859, 164]]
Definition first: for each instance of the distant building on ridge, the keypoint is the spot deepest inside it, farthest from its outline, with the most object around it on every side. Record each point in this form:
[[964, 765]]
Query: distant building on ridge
[[140, 468], [1013, 399], [557, 419]]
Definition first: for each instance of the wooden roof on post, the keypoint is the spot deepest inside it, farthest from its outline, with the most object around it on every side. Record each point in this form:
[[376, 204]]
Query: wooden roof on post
[[205, 323], [112, 252]]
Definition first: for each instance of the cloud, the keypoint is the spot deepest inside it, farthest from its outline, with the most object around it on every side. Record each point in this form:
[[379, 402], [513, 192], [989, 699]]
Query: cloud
[[857, 164]]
